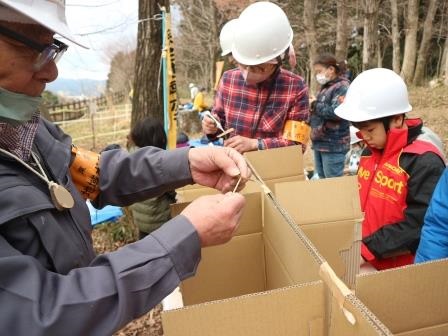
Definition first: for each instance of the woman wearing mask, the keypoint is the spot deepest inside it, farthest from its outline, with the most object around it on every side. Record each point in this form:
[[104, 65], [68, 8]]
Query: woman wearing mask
[[330, 134]]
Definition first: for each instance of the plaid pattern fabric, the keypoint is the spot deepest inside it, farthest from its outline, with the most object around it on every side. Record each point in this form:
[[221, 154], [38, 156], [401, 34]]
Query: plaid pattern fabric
[[18, 140], [238, 105]]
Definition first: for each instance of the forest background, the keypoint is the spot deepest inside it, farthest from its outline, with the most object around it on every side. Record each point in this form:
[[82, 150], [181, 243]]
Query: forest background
[[408, 36]]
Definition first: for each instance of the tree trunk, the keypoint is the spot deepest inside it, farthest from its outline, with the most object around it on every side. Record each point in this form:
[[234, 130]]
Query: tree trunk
[[395, 37], [310, 35], [148, 86], [370, 34], [446, 63], [341, 31], [410, 46], [379, 55], [197, 40], [425, 43], [213, 51]]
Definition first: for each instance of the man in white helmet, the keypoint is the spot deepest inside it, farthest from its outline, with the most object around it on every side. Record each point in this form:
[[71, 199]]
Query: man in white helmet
[[266, 105], [398, 170], [51, 281]]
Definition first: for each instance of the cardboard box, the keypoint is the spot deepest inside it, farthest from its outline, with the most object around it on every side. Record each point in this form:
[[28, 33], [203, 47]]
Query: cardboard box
[[265, 253], [411, 300], [263, 282], [332, 223]]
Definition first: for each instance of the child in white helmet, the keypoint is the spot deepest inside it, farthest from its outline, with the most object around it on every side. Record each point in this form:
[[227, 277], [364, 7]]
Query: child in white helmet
[[398, 170], [354, 154]]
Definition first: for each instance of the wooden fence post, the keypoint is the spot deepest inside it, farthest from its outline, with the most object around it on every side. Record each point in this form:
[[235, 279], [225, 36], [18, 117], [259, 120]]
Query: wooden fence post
[[92, 111]]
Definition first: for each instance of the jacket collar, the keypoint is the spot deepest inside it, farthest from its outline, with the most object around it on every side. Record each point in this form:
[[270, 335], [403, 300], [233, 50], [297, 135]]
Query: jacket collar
[[398, 138], [48, 141]]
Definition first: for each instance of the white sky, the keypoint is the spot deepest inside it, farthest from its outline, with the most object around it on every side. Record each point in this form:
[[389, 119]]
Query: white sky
[[116, 24]]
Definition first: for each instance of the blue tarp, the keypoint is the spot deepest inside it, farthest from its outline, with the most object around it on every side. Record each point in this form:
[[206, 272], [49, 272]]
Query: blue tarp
[[197, 143], [107, 214]]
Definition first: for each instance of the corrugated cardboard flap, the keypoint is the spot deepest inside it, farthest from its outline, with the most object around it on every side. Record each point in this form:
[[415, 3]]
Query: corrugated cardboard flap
[[277, 162], [296, 310], [408, 298], [251, 220], [320, 201]]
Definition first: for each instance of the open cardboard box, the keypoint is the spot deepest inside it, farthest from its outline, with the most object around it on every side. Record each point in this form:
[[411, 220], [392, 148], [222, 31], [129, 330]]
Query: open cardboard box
[[329, 213], [411, 300], [265, 282], [272, 165], [265, 253]]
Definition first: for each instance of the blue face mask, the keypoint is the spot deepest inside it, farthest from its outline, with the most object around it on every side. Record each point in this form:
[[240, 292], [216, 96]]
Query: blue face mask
[[17, 108]]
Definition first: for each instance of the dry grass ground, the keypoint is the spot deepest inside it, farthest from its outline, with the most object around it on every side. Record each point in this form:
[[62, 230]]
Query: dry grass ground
[[429, 104]]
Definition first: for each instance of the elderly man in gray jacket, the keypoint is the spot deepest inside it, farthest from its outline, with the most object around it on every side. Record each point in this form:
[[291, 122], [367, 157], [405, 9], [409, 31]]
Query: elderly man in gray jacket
[[51, 282]]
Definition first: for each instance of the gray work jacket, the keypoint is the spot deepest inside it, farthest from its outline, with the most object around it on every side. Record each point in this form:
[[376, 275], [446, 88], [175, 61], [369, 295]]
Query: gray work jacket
[[51, 282]]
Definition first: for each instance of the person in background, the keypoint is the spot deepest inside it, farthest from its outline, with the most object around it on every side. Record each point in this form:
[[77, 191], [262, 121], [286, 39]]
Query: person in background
[[266, 105], [150, 214], [226, 41], [349, 72], [434, 239], [182, 140], [52, 282], [398, 170], [330, 135], [193, 91], [199, 101], [354, 155]]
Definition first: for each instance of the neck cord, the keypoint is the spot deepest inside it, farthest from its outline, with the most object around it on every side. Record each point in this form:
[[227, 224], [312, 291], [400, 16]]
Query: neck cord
[[42, 176]]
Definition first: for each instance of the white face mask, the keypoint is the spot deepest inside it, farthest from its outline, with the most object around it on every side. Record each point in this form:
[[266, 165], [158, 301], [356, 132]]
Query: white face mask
[[322, 79], [17, 108]]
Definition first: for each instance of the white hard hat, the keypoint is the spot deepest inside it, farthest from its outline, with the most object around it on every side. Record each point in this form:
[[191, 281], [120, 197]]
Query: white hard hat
[[374, 94], [262, 32], [48, 13], [226, 37], [353, 136], [190, 85]]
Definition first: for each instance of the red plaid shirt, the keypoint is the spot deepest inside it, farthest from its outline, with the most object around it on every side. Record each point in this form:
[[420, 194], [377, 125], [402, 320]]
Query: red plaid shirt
[[283, 97]]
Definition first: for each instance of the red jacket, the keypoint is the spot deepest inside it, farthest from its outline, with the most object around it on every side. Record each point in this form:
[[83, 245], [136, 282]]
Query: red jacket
[[384, 178]]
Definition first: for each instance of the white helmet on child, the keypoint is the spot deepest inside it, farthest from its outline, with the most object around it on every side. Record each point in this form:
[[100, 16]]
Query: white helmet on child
[[262, 33], [374, 94], [48, 13], [226, 37]]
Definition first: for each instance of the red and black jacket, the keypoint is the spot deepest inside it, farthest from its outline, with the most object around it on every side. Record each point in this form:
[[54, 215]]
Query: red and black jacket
[[396, 185]]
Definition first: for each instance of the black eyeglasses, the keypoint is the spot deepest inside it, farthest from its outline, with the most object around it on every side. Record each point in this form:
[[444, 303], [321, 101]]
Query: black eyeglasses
[[47, 52]]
